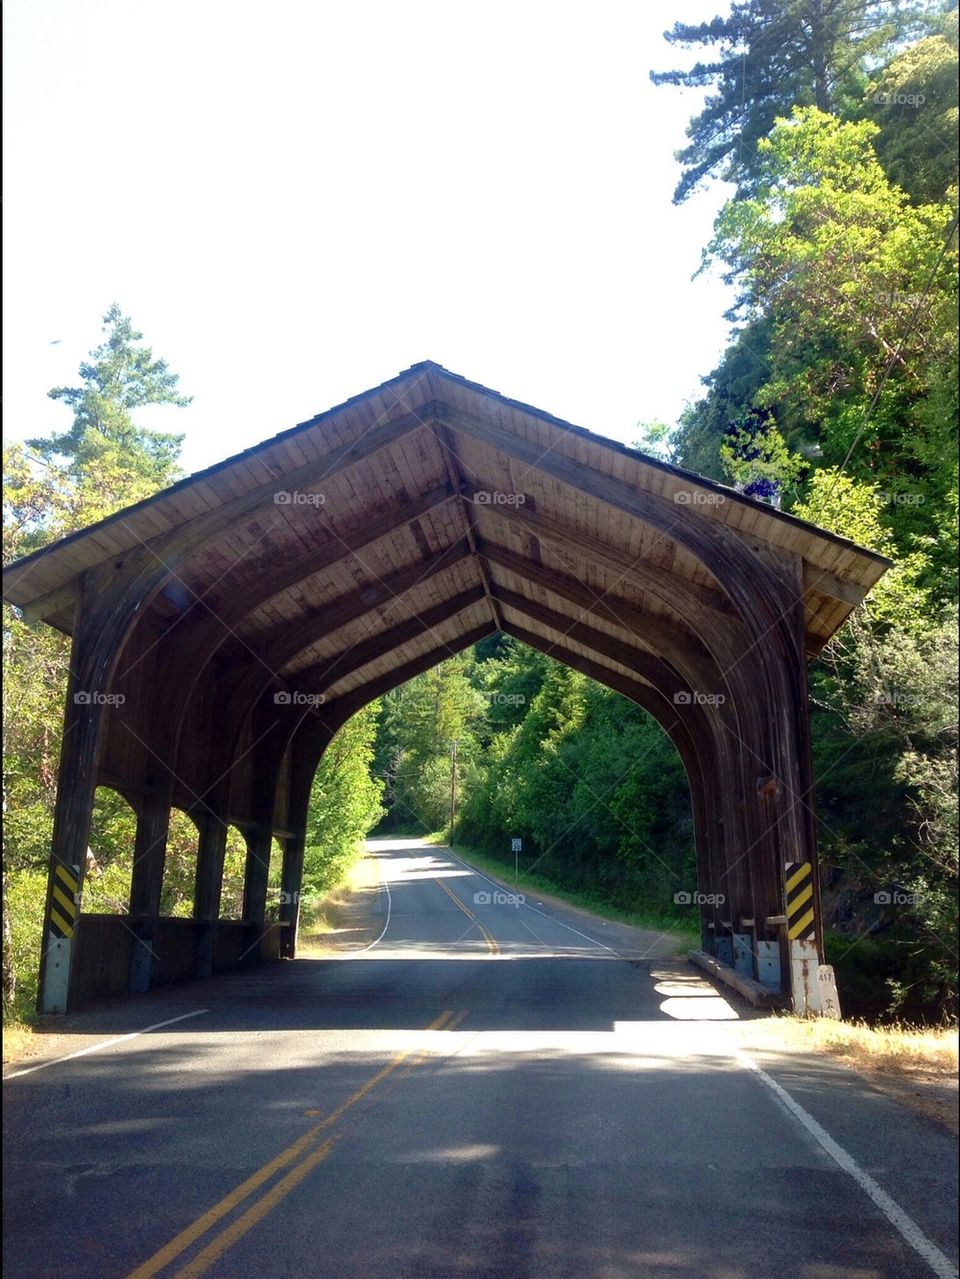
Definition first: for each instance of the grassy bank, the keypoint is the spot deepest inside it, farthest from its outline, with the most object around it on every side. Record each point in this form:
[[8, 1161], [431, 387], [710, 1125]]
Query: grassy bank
[[546, 888], [918, 1067], [903, 1049]]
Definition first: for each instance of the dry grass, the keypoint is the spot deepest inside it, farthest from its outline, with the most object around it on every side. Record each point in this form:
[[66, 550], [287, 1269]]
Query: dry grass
[[18, 1040], [898, 1048], [328, 917]]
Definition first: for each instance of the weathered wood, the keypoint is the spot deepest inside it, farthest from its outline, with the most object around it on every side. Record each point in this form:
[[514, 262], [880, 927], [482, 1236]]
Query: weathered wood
[[62, 600], [319, 677], [306, 749], [455, 472], [76, 787], [146, 885], [697, 532], [824, 583], [211, 847], [196, 643], [349, 703], [659, 633], [583, 546], [280, 647]]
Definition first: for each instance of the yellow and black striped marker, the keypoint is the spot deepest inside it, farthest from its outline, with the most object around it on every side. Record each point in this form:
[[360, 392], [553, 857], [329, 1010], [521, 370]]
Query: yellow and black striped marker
[[799, 889], [63, 902]]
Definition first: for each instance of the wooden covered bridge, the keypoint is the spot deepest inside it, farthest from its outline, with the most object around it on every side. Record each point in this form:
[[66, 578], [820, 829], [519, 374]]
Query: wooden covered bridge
[[225, 628]]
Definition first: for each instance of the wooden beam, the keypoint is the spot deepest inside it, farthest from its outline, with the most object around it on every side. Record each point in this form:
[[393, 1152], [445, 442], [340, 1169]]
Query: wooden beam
[[348, 704], [174, 546], [451, 461], [286, 641], [344, 663], [44, 607], [169, 549], [826, 583], [659, 632], [201, 638], [652, 669], [584, 546], [697, 532]]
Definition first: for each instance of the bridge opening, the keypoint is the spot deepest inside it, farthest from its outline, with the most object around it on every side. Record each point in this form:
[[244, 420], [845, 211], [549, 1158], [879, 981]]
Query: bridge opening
[[505, 742]]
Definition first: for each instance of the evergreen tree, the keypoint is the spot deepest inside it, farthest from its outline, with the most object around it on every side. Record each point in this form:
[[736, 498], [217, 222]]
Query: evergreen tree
[[769, 56]]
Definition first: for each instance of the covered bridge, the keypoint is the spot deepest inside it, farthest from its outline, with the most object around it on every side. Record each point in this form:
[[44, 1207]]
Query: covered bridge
[[225, 628]]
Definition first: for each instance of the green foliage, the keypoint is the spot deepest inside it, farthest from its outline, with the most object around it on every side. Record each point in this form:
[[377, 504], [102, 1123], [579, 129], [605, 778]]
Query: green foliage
[[109, 461], [732, 388], [756, 458], [344, 804], [420, 722], [24, 894], [655, 439], [584, 777], [914, 101]]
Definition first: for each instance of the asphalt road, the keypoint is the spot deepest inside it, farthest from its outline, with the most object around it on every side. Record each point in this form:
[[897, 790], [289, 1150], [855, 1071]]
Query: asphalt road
[[479, 1088]]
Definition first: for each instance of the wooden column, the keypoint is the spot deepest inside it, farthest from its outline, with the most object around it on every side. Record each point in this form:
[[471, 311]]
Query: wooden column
[[259, 840], [146, 885], [76, 788], [211, 847]]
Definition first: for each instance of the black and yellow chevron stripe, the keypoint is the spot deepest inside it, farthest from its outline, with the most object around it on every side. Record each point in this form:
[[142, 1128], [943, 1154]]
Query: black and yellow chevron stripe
[[63, 902], [799, 893]]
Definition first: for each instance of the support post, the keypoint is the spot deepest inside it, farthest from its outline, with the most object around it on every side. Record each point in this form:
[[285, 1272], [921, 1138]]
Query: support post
[[76, 787], [146, 885], [259, 840], [291, 881], [211, 847]]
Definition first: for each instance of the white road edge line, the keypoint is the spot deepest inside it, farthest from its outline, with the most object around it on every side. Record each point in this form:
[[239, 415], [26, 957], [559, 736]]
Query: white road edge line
[[383, 932], [107, 1043], [473, 870], [940, 1264]]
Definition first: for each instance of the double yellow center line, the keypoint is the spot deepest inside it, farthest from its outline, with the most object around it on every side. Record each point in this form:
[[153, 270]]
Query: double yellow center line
[[491, 944], [304, 1154]]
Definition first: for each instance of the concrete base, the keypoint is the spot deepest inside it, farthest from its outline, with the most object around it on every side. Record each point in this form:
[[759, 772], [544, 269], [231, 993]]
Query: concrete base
[[804, 967], [743, 953], [759, 996]]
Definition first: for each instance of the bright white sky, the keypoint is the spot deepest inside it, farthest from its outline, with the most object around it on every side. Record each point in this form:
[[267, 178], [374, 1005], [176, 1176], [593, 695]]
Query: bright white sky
[[297, 200]]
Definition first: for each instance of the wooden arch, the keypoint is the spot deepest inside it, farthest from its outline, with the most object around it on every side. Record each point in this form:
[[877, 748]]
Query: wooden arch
[[224, 628]]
